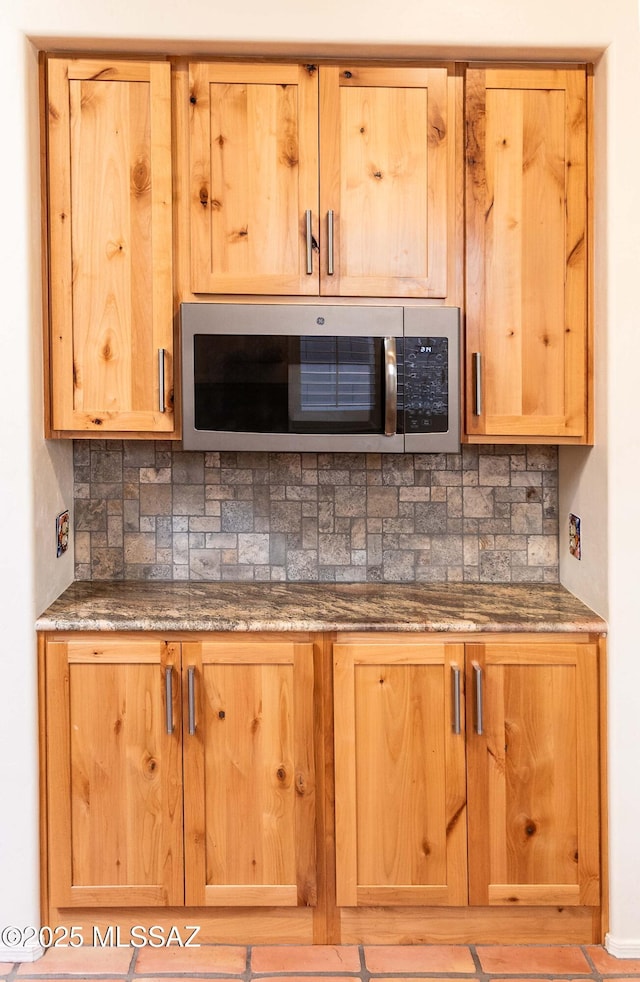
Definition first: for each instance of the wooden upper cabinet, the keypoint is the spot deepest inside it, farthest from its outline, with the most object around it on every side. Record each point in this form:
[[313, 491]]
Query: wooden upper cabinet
[[533, 781], [253, 170], [249, 814], [109, 196], [399, 774], [334, 180], [114, 788], [527, 255], [384, 143]]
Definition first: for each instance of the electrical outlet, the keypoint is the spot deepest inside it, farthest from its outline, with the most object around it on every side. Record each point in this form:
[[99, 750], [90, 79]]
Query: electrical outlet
[[575, 545], [62, 533]]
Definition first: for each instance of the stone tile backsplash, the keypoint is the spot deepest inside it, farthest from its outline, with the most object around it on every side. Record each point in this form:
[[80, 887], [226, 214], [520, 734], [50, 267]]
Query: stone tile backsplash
[[145, 510]]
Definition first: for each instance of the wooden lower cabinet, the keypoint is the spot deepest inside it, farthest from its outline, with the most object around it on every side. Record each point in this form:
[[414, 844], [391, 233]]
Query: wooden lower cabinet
[[303, 788], [180, 775], [501, 818]]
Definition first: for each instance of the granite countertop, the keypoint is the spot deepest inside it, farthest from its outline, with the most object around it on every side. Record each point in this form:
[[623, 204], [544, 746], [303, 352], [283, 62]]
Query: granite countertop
[[234, 606]]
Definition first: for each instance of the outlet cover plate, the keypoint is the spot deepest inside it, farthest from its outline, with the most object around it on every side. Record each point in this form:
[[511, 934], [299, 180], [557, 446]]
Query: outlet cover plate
[[575, 545], [62, 533]]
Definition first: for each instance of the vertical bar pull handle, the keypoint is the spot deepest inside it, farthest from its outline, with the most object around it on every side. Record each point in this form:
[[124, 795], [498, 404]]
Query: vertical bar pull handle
[[477, 673], [161, 392], [191, 694], [390, 387], [477, 383], [309, 233], [330, 215], [455, 671], [168, 686]]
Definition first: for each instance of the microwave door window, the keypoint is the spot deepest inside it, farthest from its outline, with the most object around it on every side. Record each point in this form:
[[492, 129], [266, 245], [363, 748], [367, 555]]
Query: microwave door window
[[336, 384], [240, 383]]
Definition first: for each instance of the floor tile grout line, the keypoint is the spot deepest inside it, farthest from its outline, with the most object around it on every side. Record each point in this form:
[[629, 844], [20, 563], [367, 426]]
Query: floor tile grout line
[[476, 961], [364, 971], [132, 964], [590, 961], [248, 971]]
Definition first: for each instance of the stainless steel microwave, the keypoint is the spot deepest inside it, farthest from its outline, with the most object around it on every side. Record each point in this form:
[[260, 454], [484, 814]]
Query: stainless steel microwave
[[295, 377]]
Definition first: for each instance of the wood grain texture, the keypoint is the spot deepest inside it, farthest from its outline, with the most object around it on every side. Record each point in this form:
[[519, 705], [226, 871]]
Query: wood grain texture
[[114, 778], [110, 201], [218, 925], [462, 925], [254, 160], [400, 781], [385, 173], [526, 163], [249, 775], [533, 806], [533, 776]]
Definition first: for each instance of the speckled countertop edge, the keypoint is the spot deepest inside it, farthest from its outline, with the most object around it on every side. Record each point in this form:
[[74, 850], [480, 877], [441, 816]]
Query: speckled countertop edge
[[235, 606]]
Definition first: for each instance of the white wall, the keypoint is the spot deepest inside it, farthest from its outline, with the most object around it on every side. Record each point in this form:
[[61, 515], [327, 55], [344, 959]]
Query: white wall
[[601, 484], [35, 483]]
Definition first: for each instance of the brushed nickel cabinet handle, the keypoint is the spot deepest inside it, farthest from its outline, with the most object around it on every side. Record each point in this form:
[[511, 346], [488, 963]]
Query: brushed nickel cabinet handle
[[168, 687], [390, 387], [477, 672], [477, 383], [191, 693], [455, 671], [330, 215], [161, 388], [307, 216]]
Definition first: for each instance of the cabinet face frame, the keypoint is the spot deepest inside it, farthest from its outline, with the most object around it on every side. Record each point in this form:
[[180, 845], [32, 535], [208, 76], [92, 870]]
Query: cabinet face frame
[[110, 290], [528, 306]]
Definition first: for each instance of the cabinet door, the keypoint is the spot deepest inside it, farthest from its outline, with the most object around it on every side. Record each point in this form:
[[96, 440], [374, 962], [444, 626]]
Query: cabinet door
[[533, 774], [254, 178], [249, 773], [384, 141], [114, 774], [110, 246], [400, 774], [526, 232]]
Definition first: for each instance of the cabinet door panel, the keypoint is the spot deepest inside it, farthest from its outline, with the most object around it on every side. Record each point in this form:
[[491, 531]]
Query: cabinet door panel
[[400, 781], [249, 808], [110, 198], [254, 160], [384, 155], [533, 775], [527, 252], [115, 775]]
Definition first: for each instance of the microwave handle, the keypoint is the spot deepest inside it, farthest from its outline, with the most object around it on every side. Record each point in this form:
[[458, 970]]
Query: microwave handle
[[390, 387]]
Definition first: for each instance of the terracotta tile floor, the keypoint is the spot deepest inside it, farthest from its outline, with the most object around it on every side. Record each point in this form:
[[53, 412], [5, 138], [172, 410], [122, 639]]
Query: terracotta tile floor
[[328, 963]]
